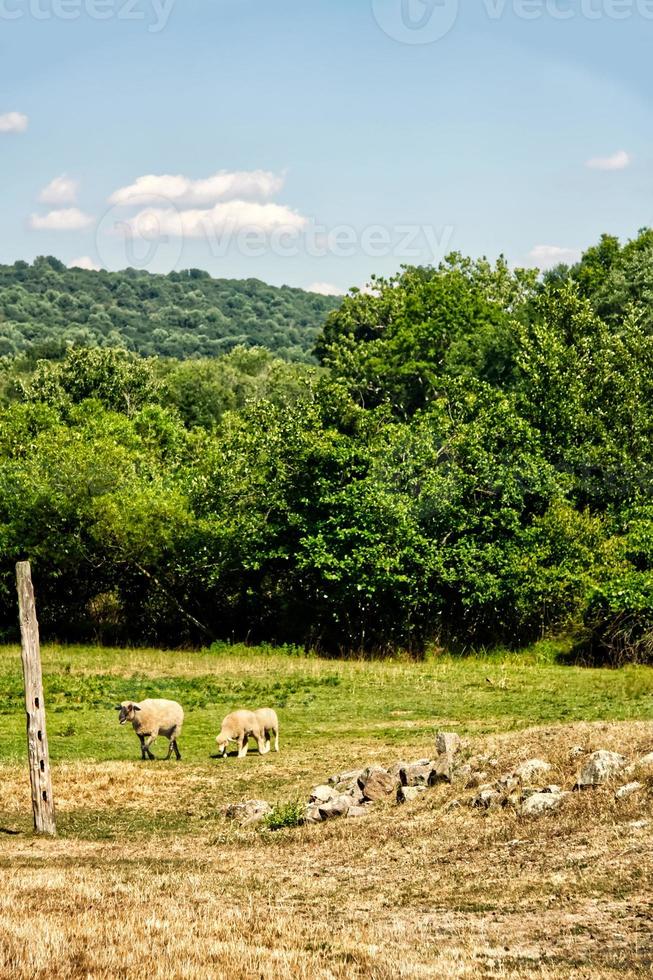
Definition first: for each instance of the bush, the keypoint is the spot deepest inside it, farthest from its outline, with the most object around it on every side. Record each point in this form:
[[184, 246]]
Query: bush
[[285, 815], [620, 620]]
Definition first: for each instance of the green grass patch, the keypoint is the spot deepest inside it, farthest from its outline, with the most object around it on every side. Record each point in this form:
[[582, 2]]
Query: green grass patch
[[393, 702]]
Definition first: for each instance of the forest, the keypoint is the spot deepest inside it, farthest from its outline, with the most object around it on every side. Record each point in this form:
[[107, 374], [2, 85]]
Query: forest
[[460, 455], [46, 307]]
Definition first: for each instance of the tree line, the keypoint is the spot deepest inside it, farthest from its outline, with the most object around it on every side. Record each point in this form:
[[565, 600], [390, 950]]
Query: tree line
[[469, 462], [46, 307]]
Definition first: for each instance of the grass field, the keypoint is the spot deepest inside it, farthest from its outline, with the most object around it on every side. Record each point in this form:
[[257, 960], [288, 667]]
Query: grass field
[[148, 878]]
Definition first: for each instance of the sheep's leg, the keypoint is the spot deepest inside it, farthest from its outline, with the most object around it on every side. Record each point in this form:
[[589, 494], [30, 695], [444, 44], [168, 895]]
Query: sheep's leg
[[142, 741], [174, 745], [266, 734], [276, 741], [242, 746], [149, 740], [262, 742], [170, 744]]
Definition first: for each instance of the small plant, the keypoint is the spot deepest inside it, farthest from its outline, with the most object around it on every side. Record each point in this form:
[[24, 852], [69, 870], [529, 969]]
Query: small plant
[[285, 815]]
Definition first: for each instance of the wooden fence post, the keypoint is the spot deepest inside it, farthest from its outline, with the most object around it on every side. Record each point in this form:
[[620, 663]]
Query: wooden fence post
[[37, 740]]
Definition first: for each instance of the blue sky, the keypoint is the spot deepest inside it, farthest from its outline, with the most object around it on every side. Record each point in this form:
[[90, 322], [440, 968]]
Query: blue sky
[[346, 138]]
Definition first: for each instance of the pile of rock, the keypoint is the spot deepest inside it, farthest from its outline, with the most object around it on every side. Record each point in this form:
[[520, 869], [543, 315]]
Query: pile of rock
[[523, 789], [350, 794], [526, 788]]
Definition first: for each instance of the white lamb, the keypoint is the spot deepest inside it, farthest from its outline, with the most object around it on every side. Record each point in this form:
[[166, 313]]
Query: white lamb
[[267, 719], [238, 727], [151, 718]]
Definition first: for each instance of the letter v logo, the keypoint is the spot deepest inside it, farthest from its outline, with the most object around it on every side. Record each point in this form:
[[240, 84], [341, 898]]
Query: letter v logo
[[415, 21]]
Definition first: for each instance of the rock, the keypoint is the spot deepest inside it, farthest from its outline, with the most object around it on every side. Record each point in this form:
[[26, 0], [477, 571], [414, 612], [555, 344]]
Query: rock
[[338, 807], [527, 791], [600, 767], [356, 795], [508, 783], [541, 803], [628, 790], [418, 774], [528, 771], [377, 783], [638, 824], [576, 751], [249, 812], [344, 777], [357, 811], [313, 815], [447, 743], [396, 768], [452, 805], [461, 774], [440, 771], [415, 774], [476, 779], [406, 794], [322, 794], [551, 788], [642, 767], [487, 798]]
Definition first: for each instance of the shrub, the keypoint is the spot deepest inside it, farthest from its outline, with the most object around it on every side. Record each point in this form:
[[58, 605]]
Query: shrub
[[285, 815], [620, 619]]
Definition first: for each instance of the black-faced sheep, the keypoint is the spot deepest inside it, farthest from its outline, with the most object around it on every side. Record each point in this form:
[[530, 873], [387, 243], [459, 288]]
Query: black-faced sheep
[[151, 718]]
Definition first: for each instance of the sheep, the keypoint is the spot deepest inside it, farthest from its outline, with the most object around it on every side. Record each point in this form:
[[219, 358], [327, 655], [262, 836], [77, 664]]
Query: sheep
[[267, 719], [151, 718], [237, 727]]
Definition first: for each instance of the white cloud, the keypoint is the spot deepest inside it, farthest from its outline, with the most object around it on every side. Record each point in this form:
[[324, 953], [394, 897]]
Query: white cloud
[[326, 289], [547, 256], [61, 190], [13, 122], [618, 161], [228, 218], [84, 262], [225, 185], [65, 219]]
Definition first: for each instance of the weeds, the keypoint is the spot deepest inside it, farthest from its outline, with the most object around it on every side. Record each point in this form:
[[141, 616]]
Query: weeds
[[285, 815]]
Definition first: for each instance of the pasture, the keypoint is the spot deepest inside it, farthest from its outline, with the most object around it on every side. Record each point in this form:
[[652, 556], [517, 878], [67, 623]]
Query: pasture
[[148, 878]]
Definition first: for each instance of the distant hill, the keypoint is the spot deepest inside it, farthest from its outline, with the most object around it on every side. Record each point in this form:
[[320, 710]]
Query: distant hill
[[45, 307]]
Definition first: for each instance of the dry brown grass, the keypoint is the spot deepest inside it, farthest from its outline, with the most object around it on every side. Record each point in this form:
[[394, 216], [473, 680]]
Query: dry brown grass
[[413, 892]]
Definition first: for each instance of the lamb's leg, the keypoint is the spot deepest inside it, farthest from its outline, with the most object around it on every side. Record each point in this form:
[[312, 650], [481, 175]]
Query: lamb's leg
[[242, 746], [263, 745]]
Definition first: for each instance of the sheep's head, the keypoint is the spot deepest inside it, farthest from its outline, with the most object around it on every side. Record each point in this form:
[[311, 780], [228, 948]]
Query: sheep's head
[[222, 741], [127, 711]]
